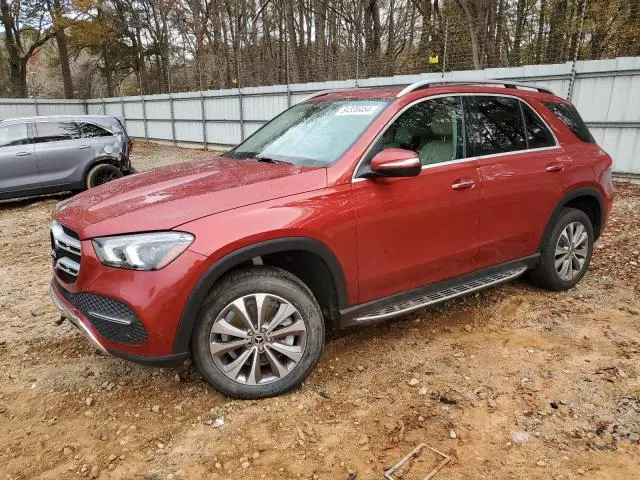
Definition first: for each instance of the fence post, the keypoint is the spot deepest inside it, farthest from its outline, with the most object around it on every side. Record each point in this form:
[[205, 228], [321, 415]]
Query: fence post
[[357, 59], [144, 118], [35, 105], [240, 106], [85, 106], [286, 67], [583, 6], [124, 116], [104, 106], [446, 43], [173, 120], [203, 115], [203, 110]]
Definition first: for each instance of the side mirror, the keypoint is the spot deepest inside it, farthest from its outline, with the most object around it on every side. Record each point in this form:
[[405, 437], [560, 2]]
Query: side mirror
[[396, 162]]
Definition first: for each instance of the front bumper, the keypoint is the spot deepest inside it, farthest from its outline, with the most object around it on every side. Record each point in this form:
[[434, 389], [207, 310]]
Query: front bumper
[[80, 321], [75, 319]]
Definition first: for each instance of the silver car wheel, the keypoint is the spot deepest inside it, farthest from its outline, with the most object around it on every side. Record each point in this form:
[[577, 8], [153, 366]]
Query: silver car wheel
[[257, 339], [571, 252]]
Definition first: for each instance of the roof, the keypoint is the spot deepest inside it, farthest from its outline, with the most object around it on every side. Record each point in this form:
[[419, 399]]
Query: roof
[[93, 118]]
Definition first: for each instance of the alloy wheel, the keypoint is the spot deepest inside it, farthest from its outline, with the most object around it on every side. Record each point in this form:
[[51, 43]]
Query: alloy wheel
[[257, 339], [571, 251]]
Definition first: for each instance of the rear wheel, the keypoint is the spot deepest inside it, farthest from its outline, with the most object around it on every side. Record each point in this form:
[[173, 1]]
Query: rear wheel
[[566, 251], [101, 174], [260, 333]]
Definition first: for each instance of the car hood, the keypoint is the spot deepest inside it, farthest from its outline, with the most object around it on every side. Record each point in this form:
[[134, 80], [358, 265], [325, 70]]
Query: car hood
[[167, 197]]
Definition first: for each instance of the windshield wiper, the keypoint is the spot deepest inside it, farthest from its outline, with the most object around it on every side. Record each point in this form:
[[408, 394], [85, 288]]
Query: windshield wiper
[[271, 160]]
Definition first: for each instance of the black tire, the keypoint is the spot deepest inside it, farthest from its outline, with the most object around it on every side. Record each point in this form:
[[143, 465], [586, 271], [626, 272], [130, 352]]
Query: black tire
[[238, 284], [101, 174], [545, 273]]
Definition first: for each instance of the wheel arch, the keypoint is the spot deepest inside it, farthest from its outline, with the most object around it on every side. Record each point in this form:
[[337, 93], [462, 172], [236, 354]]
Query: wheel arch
[[271, 252], [587, 199]]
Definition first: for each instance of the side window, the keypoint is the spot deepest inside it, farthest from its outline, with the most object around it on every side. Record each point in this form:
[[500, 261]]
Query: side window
[[11, 135], [538, 135], [493, 125], [56, 131], [432, 128], [90, 130], [571, 118]]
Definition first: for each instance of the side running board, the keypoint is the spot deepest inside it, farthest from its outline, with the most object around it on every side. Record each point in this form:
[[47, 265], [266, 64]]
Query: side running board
[[443, 294]]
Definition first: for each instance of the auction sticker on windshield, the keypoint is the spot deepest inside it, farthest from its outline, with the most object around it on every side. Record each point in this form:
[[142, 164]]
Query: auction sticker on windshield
[[357, 110]]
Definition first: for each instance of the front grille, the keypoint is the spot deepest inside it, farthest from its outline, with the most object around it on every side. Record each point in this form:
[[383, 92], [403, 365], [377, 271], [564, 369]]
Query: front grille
[[66, 251], [114, 320]]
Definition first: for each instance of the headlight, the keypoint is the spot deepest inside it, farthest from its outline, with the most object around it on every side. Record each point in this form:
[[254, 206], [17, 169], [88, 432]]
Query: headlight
[[144, 251]]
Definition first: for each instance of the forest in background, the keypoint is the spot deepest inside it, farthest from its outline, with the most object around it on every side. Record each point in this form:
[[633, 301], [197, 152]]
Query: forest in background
[[102, 48]]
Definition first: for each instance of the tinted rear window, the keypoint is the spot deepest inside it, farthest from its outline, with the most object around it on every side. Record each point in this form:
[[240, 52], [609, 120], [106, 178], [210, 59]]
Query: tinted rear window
[[494, 125], [571, 118]]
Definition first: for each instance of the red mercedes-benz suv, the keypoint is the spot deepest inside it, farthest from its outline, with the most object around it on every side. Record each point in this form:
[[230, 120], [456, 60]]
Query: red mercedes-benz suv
[[351, 207]]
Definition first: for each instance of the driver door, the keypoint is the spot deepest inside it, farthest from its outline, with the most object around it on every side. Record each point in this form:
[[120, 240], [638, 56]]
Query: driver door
[[415, 231]]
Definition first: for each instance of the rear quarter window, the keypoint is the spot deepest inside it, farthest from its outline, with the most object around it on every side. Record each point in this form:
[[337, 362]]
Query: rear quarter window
[[568, 114], [90, 130], [538, 135]]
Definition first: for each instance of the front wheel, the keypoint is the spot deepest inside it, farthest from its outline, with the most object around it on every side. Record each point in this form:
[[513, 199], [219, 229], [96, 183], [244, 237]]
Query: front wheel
[[101, 174], [566, 251], [260, 333]]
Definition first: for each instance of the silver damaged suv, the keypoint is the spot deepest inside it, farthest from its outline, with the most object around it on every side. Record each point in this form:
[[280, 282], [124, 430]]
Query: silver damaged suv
[[60, 153]]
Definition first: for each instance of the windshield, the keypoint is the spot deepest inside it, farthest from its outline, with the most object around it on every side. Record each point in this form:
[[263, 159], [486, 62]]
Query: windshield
[[313, 134]]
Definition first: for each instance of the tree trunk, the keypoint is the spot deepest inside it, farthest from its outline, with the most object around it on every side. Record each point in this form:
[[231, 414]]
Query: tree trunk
[[424, 7], [391, 40], [540, 35], [61, 39], [108, 71], [319, 27], [516, 58], [373, 35], [292, 38], [557, 28], [142, 68], [17, 68], [634, 22]]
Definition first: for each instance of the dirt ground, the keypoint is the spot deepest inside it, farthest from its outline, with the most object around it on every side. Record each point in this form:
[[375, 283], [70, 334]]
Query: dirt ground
[[514, 382]]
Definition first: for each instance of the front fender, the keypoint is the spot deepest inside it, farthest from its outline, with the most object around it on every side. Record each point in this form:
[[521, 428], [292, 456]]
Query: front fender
[[321, 222], [218, 269]]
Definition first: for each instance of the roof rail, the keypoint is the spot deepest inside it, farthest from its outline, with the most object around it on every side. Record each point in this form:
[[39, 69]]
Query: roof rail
[[326, 92], [439, 82]]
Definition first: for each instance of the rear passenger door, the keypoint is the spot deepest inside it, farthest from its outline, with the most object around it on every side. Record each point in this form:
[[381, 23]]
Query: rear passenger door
[[18, 170], [521, 166], [59, 153]]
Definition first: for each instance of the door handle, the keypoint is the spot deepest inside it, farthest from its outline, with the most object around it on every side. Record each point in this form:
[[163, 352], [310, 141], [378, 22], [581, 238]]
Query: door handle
[[554, 167], [22, 154], [82, 147], [462, 184]]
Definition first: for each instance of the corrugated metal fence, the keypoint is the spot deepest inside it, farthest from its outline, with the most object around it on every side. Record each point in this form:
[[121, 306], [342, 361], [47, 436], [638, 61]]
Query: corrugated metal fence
[[606, 92]]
